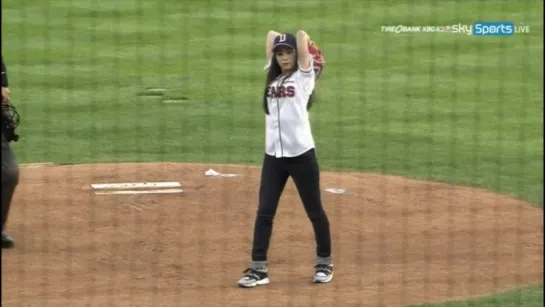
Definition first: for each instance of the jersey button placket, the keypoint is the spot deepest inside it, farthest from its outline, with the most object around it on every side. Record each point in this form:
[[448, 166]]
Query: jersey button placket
[[277, 145]]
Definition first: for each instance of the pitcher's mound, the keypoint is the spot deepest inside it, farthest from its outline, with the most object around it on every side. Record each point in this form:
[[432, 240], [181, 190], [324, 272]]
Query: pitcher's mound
[[396, 241]]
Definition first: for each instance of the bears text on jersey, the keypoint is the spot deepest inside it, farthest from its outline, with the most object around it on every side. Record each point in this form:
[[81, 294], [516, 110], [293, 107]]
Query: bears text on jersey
[[281, 91]]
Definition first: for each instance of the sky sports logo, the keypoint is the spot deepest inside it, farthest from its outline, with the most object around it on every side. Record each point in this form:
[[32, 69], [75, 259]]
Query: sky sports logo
[[480, 28], [497, 29]]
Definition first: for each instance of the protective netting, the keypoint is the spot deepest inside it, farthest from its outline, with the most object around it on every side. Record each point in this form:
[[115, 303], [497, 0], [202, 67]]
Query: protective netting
[[141, 164]]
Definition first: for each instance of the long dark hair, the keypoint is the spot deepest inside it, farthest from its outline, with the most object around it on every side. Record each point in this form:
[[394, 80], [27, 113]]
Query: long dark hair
[[274, 72]]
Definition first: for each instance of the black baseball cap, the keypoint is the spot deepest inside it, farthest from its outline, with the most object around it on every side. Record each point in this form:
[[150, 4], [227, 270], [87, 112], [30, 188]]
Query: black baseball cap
[[285, 39]]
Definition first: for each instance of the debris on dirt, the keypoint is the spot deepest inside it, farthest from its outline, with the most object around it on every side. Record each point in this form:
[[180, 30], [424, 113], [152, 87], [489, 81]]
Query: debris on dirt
[[213, 173], [336, 191]]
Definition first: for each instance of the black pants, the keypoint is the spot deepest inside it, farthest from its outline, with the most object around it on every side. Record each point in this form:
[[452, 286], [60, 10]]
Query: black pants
[[10, 178], [305, 173]]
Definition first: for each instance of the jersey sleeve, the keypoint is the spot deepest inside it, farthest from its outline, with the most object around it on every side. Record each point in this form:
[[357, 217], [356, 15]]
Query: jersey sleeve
[[306, 78]]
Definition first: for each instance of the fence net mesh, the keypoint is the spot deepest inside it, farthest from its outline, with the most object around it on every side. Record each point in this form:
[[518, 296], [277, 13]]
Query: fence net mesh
[[141, 176]]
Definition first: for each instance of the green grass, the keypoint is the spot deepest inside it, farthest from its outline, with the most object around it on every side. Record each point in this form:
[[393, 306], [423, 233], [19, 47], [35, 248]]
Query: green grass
[[527, 297], [445, 107]]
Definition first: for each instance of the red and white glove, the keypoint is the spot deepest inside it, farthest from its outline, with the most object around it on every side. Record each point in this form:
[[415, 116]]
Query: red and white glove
[[317, 58]]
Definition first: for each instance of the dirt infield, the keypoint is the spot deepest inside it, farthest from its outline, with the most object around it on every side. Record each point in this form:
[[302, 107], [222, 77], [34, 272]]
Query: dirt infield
[[396, 241]]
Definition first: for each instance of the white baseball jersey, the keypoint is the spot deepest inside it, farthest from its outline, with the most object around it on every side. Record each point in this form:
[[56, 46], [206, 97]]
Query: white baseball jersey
[[287, 126]]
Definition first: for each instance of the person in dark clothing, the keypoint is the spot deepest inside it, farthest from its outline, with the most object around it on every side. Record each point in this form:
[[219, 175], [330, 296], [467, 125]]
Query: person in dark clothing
[[5, 89], [289, 152], [10, 167]]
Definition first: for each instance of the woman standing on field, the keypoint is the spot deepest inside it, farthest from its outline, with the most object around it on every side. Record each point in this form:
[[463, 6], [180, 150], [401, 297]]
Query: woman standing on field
[[294, 62]]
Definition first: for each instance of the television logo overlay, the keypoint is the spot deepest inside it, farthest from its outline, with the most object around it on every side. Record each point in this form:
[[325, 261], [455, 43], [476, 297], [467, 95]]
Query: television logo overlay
[[484, 28], [497, 29]]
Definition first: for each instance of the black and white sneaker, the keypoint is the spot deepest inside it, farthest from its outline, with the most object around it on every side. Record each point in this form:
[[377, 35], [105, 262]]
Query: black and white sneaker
[[7, 241], [253, 278], [323, 273]]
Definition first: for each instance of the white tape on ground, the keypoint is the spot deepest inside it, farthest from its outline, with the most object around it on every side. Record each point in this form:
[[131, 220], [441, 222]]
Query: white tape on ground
[[135, 185]]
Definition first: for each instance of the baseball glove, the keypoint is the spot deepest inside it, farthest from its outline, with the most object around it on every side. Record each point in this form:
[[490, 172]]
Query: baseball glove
[[10, 121], [317, 57]]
